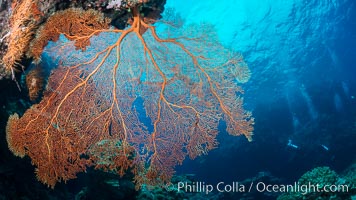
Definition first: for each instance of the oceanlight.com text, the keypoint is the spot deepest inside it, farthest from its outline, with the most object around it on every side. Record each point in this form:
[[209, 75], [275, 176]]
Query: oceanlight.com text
[[237, 187], [301, 188]]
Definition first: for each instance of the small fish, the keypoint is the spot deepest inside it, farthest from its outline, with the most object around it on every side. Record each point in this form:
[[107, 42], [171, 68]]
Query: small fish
[[292, 145], [114, 183], [325, 147]]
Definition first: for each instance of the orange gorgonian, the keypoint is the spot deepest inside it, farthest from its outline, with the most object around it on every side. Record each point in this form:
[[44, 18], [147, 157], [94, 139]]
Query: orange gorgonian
[[140, 99]]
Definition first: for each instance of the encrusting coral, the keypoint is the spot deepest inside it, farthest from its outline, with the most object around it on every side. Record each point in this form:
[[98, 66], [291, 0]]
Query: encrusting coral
[[131, 100], [23, 23]]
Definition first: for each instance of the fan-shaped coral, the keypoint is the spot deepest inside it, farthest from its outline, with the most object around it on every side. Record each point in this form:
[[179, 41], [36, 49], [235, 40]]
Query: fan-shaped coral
[[134, 99]]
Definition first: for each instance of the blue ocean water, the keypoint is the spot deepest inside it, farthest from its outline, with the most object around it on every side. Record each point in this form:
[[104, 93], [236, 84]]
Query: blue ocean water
[[302, 90]]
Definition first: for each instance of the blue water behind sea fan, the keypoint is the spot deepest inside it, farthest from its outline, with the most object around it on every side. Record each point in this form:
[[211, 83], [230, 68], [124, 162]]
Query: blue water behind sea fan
[[301, 55]]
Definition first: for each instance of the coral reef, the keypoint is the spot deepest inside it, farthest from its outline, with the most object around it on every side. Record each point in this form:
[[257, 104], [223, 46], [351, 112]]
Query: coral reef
[[21, 19], [321, 176], [348, 177], [4, 34], [23, 23], [133, 100]]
